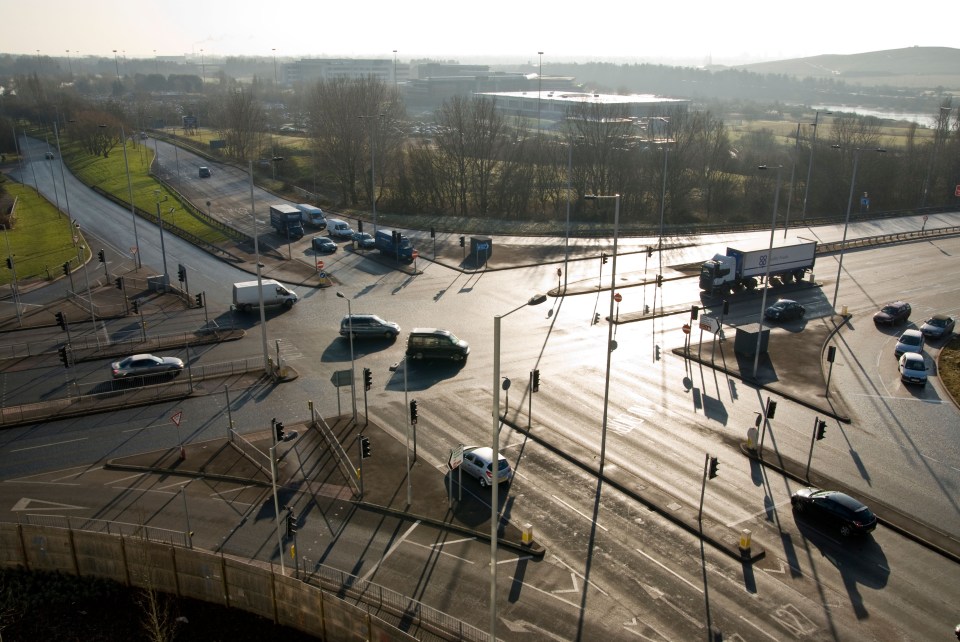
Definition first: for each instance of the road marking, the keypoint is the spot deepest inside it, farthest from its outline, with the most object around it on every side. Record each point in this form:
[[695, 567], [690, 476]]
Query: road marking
[[758, 514], [59, 443], [658, 595], [221, 493], [672, 572], [583, 515], [25, 504], [436, 548], [757, 627], [573, 572], [390, 550], [123, 479]]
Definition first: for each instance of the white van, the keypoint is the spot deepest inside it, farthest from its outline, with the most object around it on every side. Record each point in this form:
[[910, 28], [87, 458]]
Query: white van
[[312, 215], [339, 229]]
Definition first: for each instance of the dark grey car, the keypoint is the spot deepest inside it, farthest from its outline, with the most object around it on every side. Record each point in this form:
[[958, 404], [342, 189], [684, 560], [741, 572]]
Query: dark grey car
[[368, 325]]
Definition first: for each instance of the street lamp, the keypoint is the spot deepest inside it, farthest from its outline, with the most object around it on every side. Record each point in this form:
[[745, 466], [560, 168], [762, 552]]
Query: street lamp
[[611, 344], [536, 299], [69, 63], [203, 71], [163, 247], [846, 222], [539, 90], [133, 208], [373, 169], [274, 50], [256, 252], [117, 63], [766, 273], [396, 83], [353, 377], [813, 143]]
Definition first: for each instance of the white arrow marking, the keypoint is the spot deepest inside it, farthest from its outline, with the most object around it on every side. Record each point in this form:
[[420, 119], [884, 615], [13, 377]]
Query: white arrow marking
[[522, 626], [28, 504]]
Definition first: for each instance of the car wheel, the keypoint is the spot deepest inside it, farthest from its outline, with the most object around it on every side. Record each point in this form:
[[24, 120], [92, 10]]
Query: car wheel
[[483, 481], [846, 531]]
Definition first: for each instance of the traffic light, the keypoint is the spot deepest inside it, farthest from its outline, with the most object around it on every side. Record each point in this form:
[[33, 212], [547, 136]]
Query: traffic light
[[726, 307], [64, 357], [831, 353], [181, 273], [66, 269], [61, 320], [656, 353], [603, 258], [694, 312], [413, 411], [364, 447], [9, 263], [136, 305], [821, 429], [596, 318], [291, 524], [536, 380], [360, 226], [279, 428], [771, 409], [433, 233], [119, 282], [101, 255], [199, 299], [463, 241], [659, 280], [367, 379], [394, 235], [649, 251], [714, 465]]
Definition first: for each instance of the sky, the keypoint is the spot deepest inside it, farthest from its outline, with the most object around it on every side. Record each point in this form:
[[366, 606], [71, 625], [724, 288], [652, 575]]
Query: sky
[[695, 31]]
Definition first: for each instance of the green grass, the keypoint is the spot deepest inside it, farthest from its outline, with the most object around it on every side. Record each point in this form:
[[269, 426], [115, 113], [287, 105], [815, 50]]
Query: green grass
[[40, 238]]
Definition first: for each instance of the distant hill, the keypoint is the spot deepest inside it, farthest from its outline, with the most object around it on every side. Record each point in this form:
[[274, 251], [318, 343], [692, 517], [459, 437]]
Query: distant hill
[[926, 67]]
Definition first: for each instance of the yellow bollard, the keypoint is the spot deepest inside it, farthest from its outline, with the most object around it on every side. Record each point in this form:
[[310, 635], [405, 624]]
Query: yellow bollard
[[526, 536], [745, 537], [843, 311]]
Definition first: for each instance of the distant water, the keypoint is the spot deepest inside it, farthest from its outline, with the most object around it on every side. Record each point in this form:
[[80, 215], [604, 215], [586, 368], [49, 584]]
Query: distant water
[[925, 120]]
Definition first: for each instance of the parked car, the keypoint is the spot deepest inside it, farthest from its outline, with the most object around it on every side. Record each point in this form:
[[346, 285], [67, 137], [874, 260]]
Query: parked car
[[145, 364], [891, 313], [204, 172], [477, 462], [431, 343], [909, 341], [784, 310], [323, 244], [939, 326], [368, 325], [363, 240], [835, 508], [913, 368]]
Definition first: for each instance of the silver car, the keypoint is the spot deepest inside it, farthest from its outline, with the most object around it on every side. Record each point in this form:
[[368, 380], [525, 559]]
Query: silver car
[[477, 461], [909, 341], [145, 364], [368, 325]]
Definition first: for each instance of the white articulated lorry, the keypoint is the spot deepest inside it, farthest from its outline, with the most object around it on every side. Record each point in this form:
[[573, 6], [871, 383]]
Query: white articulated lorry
[[246, 295], [738, 269]]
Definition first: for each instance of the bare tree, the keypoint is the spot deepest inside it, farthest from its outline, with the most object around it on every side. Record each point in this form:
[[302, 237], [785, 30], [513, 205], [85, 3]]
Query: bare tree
[[241, 117]]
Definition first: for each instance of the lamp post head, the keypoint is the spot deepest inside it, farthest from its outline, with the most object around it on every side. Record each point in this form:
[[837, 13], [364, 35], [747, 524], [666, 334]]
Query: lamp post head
[[537, 299], [340, 295]]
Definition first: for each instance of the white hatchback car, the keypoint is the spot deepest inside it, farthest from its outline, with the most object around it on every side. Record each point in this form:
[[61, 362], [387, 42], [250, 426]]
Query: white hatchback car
[[909, 341], [477, 462]]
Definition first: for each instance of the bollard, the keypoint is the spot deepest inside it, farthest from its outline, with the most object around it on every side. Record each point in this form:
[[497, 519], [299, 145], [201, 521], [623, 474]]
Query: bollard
[[526, 536], [745, 537], [843, 311]]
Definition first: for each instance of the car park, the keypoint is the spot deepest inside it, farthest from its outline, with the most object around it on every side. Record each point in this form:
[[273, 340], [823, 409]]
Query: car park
[[433, 343], [477, 462], [145, 364], [368, 325], [910, 341], [939, 326], [836, 509], [893, 313], [913, 368], [784, 310], [323, 244], [363, 240]]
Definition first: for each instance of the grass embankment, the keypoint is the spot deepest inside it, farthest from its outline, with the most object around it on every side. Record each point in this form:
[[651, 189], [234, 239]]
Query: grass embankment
[[948, 366]]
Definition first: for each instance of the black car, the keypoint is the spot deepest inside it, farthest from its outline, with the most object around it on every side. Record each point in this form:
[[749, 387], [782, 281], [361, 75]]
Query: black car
[[784, 310], [323, 244], [892, 313], [835, 508]]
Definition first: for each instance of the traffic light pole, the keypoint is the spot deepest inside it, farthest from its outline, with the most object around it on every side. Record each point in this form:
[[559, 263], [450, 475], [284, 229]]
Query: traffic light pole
[[703, 487]]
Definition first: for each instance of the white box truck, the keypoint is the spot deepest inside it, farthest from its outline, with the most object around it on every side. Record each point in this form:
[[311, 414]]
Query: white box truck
[[246, 295], [311, 215], [745, 269]]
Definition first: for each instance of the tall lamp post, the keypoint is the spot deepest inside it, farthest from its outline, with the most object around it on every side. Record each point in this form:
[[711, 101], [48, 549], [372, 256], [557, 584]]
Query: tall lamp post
[[611, 344], [163, 247], [117, 62], [133, 208], [539, 90], [813, 144], [766, 273], [373, 168], [353, 374], [846, 222], [537, 299], [256, 252]]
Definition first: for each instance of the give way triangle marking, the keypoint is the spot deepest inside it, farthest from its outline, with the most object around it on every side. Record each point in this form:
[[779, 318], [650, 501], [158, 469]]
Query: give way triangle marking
[[26, 503]]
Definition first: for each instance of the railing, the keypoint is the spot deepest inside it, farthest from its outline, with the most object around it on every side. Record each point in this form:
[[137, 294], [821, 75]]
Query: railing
[[343, 460], [124, 529]]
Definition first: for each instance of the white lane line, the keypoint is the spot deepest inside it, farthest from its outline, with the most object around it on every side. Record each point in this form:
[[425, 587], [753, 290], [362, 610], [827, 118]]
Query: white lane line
[[699, 589], [222, 493], [758, 513], [124, 479], [59, 443], [573, 572], [390, 551], [436, 548], [759, 629], [583, 515]]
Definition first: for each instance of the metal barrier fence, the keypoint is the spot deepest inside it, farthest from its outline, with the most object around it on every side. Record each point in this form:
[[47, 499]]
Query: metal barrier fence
[[124, 529], [343, 459]]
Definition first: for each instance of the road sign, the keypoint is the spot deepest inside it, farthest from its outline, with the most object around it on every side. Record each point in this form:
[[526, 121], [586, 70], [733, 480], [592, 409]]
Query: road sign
[[956, 190], [456, 457], [319, 265], [617, 297], [341, 378], [133, 249], [709, 324], [177, 416], [686, 328]]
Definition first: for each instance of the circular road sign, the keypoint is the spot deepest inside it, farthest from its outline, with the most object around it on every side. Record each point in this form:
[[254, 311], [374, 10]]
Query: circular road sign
[[319, 265], [617, 297], [686, 328]]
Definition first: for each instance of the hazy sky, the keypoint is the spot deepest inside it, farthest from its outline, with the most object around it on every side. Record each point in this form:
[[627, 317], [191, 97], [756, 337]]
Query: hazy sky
[[697, 31]]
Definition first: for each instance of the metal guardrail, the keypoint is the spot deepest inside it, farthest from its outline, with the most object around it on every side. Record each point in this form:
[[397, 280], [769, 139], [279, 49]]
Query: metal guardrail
[[343, 459], [124, 529]]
